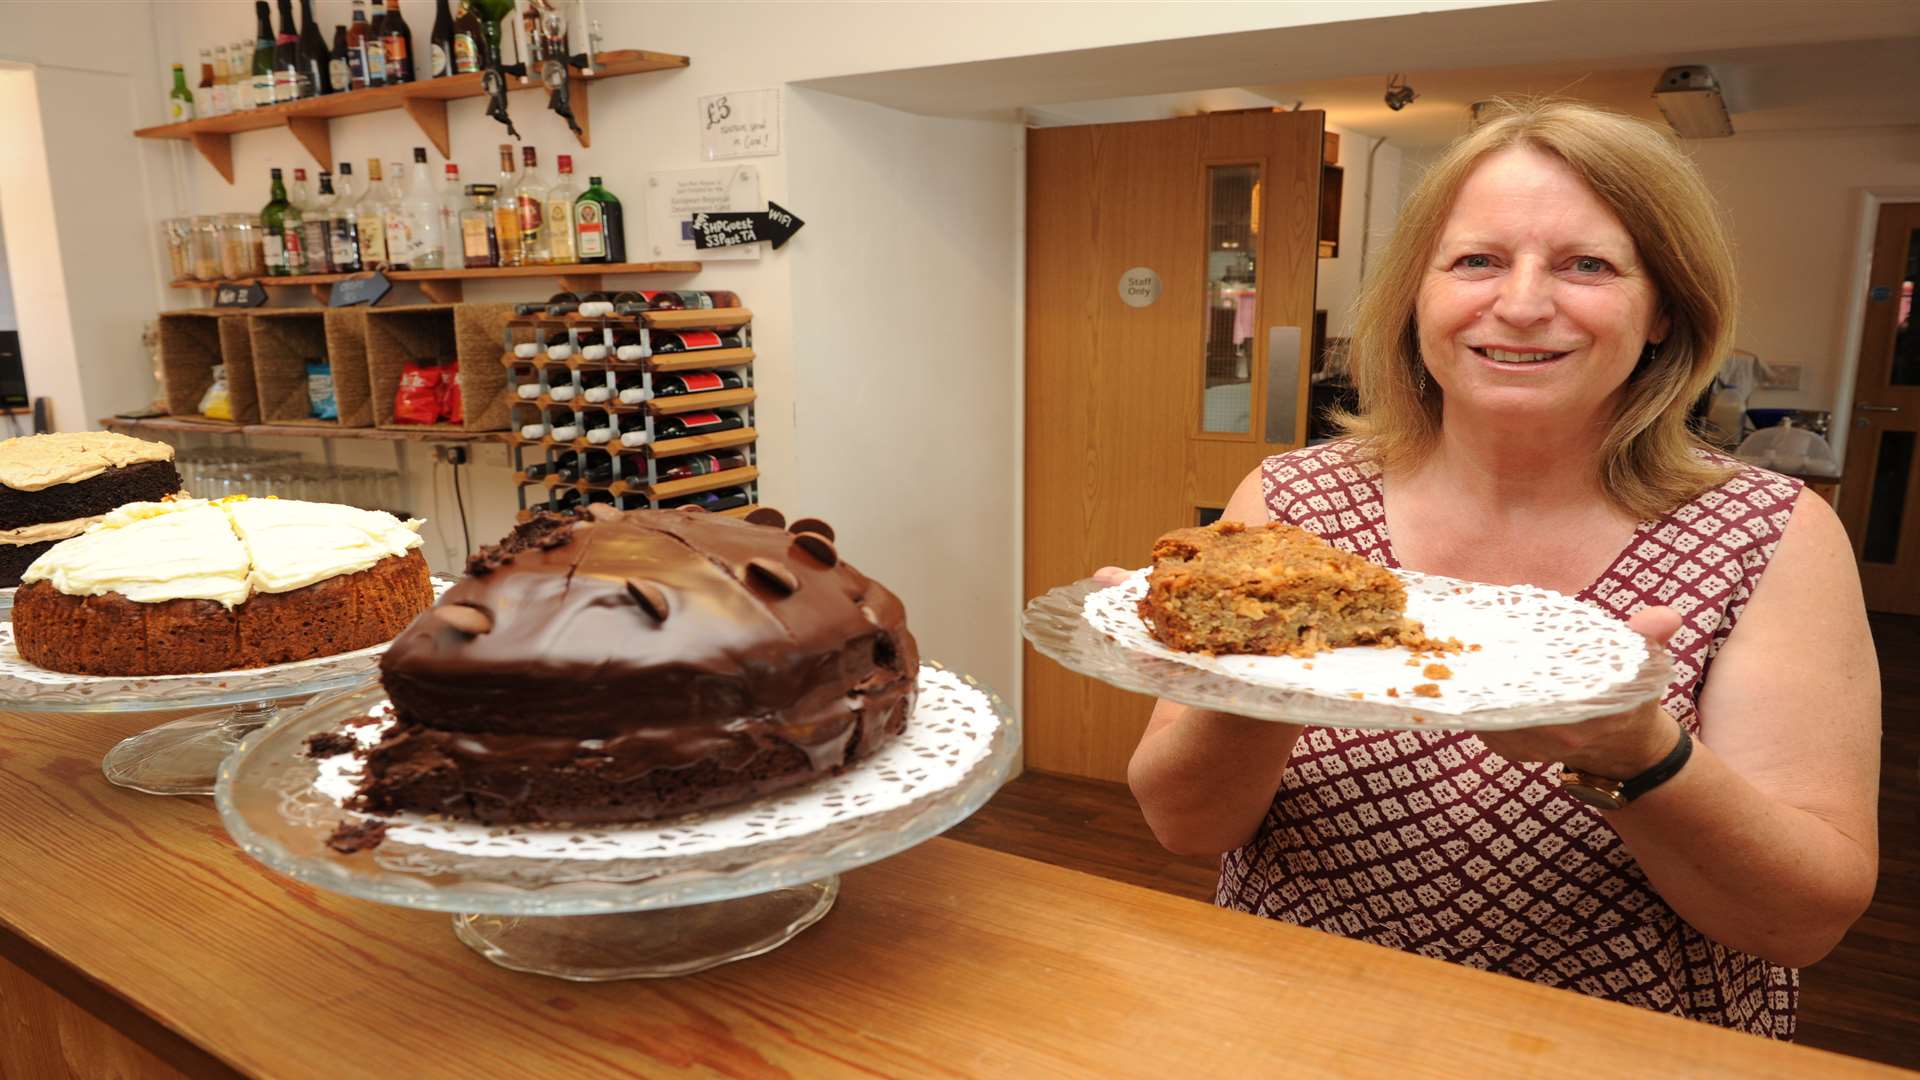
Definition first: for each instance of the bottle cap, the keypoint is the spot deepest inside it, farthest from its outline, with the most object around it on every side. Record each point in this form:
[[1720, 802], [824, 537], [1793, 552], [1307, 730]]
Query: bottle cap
[[346, 168], [276, 174], [594, 180], [420, 154], [482, 189], [566, 163], [453, 170], [300, 175]]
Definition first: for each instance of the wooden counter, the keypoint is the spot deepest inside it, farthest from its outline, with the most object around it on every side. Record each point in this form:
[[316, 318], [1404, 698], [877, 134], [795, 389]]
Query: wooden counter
[[138, 941]]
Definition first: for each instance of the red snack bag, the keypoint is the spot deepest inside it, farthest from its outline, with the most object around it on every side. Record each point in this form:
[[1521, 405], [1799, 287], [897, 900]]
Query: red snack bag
[[417, 399], [451, 409]]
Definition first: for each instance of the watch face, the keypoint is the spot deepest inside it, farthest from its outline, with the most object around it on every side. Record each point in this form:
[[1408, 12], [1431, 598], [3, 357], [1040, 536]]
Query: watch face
[[1603, 798]]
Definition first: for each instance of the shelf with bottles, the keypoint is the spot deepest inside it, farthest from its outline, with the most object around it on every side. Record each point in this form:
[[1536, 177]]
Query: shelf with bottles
[[737, 501], [424, 100], [200, 425], [631, 473]]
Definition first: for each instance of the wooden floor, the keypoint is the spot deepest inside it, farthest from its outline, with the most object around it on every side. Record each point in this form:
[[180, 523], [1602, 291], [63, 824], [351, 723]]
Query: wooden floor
[[1863, 1000]]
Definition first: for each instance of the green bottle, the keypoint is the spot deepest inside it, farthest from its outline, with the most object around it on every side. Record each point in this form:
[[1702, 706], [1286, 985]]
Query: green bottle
[[599, 235], [180, 101], [273, 225]]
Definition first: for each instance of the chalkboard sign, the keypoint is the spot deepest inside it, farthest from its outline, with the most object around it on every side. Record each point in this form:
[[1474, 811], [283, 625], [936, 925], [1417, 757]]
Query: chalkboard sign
[[360, 290], [242, 296], [731, 228]]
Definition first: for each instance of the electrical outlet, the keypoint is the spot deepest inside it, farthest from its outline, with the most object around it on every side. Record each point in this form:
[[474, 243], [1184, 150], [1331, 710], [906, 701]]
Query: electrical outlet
[[452, 455], [1779, 376]]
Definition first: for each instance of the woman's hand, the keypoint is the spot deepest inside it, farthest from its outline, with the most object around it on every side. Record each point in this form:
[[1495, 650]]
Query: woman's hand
[[1618, 747]]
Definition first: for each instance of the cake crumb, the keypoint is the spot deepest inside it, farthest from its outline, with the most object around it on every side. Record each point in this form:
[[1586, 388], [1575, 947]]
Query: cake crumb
[[1473, 648], [355, 836], [1308, 666], [1427, 689], [1392, 692], [1437, 671], [326, 744], [1356, 696], [1414, 661]]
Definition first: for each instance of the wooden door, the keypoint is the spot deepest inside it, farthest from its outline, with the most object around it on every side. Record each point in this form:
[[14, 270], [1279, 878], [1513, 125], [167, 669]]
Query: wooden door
[[1142, 416], [1880, 488]]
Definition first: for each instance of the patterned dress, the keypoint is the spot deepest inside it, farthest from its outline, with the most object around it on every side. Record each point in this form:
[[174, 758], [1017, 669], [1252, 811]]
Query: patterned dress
[[1431, 843]]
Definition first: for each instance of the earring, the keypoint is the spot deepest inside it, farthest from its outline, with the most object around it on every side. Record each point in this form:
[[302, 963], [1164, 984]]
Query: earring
[[1420, 377], [1647, 356]]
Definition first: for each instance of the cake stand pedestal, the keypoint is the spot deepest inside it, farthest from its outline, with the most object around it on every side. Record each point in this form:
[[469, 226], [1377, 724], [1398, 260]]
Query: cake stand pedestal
[[181, 757], [650, 900]]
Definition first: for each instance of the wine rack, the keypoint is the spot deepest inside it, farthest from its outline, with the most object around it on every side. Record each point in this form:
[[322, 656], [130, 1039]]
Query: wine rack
[[594, 402]]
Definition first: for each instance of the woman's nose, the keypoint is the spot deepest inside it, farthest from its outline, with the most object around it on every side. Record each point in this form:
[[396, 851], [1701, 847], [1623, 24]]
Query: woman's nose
[[1526, 296]]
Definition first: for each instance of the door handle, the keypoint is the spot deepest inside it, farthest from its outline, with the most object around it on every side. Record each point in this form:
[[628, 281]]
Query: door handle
[[1865, 407]]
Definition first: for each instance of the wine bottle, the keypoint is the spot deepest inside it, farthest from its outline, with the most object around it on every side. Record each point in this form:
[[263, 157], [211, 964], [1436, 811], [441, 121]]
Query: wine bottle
[[558, 304], [632, 388], [633, 303], [713, 501], [442, 41], [696, 423], [565, 425], [696, 382], [630, 346], [552, 339], [273, 223], [289, 82], [263, 47], [340, 61], [315, 61], [600, 429], [663, 342], [540, 470], [686, 465], [593, 345], [560, 384]]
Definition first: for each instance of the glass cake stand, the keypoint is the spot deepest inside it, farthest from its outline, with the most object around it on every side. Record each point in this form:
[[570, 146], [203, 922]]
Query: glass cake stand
[[182, 756], [649, 900], [1538, 658]]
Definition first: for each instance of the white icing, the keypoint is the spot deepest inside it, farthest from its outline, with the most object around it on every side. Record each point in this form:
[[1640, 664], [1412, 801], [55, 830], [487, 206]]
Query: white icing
[[294, 544]]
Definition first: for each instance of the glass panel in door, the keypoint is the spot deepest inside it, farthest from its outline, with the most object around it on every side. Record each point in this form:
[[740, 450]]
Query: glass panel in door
[[1233, 242]]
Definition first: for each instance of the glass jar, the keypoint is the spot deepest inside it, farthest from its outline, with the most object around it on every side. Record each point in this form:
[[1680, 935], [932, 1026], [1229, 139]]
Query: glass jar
[[178, 233], [242, 254], [206, 248]]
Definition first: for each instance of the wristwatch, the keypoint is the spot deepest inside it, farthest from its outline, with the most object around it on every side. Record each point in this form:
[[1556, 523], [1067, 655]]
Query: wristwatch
[[1606, 793]]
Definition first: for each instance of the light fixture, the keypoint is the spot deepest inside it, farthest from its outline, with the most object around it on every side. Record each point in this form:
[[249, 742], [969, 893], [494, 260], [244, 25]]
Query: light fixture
[[1689, 97], [1399, 94]]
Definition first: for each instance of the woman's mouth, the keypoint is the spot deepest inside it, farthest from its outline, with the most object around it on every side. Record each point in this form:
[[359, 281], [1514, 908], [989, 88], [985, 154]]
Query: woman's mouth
[[1516, 356]]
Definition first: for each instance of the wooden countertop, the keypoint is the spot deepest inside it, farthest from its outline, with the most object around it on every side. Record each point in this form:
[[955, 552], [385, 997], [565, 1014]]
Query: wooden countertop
[[946, 960]]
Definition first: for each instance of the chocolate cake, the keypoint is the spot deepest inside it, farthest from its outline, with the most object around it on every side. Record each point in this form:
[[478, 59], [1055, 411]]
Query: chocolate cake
[[54, 486], [610, 666]]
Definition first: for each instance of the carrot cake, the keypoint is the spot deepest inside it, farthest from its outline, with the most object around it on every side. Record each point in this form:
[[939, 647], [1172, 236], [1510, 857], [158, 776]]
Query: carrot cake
[[169, 588], [54, 486], [1276, 590]]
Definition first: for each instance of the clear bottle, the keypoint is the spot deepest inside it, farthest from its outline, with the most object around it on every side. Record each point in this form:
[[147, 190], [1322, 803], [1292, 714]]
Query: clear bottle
[[294, 224], [240, 77], [453, 199], [478, 246], [217, 93], [531, 198], [316, 225], [506, 212], [559, 223], [420, 217], [394, 214], [370, 217], [203, 90], [345, 221], [273, 227], [179, 99]]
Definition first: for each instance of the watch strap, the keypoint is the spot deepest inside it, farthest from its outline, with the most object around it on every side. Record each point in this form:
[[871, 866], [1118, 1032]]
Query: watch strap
[[1661, 771]]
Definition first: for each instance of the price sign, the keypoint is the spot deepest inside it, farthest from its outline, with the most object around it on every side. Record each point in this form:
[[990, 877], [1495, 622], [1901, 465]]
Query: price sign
[[240, 296], [745, 123], [360, 290]]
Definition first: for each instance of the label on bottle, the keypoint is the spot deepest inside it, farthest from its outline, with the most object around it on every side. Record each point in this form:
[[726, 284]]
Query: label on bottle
[[400, 241], [286, 85], [698, 339], [394, 56], [590, 229], [275, 252], [529, 218], [373, 241], [263, 90], [440, 59], [474, 241], [696, 421], [314, 241], [560, 229], [178, 110], [357, 65], [340, 73], [376, 63], [506, 231], [295, 254], [202, 102], [346, 245], [466, 55], [698, 382], [217, 100]]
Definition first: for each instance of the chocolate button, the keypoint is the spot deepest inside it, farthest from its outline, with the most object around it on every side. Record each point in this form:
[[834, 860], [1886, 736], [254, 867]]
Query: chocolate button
[[767, 515], [773, 575], [819, 547], [811, 525], [467, 620], [649, 596]]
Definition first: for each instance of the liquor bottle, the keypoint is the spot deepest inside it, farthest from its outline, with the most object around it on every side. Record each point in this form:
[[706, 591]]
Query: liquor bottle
[[294, 224], [273, 219], [537, 429], [478, 245], [393, 213], [357, 32], [203, 92], [375, 46], [370, 218], [314, 59], [217, 101], [560, 247], [506, 211], [419, 218], [696, 423], [531, 197], [340, 61], [452, 199], [179, 99], [262, 66], [470, 51], [442, 46], [287, 76], [316, 236], [683, 341], [345, 224], [679, 468], [599, 235], [696, 382], [397, 37]]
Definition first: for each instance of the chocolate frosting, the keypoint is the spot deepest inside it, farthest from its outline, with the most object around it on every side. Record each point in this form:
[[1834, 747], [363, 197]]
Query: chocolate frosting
[[650, 639]]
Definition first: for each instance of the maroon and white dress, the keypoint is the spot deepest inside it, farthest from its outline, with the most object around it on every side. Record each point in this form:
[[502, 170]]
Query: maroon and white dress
[[1431, 843]]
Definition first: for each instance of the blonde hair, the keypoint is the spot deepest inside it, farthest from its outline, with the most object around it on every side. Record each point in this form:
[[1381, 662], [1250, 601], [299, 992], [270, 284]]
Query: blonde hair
[[1649, 459]]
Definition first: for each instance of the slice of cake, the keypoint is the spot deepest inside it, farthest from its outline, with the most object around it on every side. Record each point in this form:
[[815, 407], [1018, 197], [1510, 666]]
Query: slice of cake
[[172, 588], [624, 666], [53, 486], [1276, 590]]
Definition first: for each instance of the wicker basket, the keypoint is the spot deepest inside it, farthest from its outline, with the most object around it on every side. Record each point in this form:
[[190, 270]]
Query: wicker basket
[[439, 332], [283, 342]]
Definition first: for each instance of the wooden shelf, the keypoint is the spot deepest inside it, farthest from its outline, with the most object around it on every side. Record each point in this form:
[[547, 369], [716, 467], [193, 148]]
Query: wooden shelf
[[692, 444], [425, 101], [297, 431], [712, 399], [444, 285], [666, 489]]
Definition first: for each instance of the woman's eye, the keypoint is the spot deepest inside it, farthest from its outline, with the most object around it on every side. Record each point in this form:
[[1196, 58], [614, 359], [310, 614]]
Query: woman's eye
[[1587, 264], [1475, 262]]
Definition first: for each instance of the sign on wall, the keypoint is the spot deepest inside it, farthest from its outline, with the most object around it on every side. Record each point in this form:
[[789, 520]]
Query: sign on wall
[[1139, 286], [745, 123], [673, 198]]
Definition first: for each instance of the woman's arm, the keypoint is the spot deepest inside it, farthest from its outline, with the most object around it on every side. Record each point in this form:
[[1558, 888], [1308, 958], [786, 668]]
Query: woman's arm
[[1204, 779], [1765, 841]]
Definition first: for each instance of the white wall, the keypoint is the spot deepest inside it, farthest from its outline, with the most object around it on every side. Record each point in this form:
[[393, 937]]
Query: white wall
[[1339, 277], [8, 318]]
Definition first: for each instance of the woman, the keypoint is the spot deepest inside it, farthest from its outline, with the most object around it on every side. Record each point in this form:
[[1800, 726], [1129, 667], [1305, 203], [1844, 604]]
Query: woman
[[1557, 292]]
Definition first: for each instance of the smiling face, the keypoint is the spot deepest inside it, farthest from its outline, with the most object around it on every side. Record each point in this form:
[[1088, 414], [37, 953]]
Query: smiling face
[[1534, 307]]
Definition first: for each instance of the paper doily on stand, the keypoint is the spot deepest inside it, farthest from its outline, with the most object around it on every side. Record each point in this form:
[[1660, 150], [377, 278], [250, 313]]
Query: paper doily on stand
[[598, 902], [180, 757], [1542, 658]]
